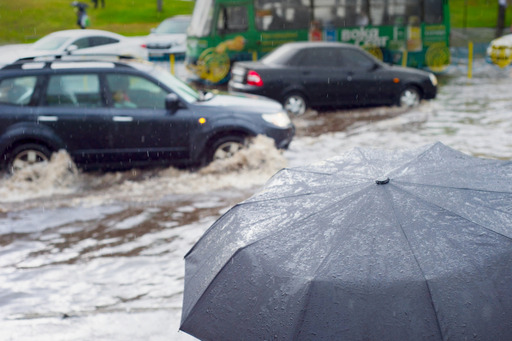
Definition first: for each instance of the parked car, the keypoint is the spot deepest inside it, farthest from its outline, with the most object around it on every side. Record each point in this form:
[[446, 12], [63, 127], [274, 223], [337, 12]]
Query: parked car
[[116, 115], [170, 37], [499, 51], [321, 74], [76, 42]]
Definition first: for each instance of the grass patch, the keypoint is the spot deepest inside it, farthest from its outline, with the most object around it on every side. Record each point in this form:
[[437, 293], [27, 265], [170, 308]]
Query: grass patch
[[24, 21], [477, 13]]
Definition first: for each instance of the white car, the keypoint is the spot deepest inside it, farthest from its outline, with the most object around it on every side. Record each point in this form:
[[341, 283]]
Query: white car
[[76, 42], [499, 51], [170, 37]]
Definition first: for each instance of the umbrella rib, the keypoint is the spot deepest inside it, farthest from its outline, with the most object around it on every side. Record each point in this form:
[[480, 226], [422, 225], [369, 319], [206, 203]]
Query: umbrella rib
[[420, 268], [310, 215], [452, 187], [333, 246], [218, 221], [301, 170], [458, 215], [331, 188], [240, 249]]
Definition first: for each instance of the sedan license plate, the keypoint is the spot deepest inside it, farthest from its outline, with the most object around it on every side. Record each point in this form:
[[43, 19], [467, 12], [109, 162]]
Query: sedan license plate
[[238, 78]]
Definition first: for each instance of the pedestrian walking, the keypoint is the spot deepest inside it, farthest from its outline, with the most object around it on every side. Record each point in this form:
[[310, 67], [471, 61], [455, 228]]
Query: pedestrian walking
[[82, 19], [95, 2]]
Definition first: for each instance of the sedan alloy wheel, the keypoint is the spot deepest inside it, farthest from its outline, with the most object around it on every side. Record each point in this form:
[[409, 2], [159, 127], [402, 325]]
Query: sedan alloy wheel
[[410, 97], [295, 104]]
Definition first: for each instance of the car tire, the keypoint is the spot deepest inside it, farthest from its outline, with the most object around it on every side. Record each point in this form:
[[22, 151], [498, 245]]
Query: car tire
[[26, 155], [409, 97], [295, 104], [225, 147]]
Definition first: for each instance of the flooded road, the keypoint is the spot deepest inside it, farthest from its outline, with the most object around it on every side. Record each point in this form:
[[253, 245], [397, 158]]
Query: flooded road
[[99, 256]]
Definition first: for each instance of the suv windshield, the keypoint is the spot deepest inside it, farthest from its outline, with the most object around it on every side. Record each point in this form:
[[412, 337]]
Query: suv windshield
[[49, 43], [182, 89]]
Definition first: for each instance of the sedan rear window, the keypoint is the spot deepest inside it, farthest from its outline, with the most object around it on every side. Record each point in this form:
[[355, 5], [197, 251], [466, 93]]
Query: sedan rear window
[[280, 56], [352, 58], [318, 57]]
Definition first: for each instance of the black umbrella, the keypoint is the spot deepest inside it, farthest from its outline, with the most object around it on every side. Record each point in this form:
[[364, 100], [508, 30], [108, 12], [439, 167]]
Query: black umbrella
[[374, 245]]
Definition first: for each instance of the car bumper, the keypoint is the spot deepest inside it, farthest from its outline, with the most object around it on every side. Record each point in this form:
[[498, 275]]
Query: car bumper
[[281, 136], [429, 92], [284, 137], [165, 54], [251, 89]]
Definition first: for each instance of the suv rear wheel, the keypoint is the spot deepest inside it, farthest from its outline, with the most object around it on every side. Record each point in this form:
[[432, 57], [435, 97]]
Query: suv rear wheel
[[26, 155]]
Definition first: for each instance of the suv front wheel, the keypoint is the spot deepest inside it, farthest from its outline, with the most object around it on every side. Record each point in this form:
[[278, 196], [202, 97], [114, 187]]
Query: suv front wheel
[[225, 147], [26, 155]]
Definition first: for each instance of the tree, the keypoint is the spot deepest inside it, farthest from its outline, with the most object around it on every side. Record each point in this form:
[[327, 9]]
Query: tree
[[159, 5]]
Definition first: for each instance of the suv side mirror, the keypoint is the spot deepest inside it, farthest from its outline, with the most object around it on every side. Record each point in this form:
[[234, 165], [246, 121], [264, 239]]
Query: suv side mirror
[[172, 102]]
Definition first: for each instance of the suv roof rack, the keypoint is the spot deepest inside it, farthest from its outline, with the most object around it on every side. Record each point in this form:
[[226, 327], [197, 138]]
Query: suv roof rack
[[49, 59]]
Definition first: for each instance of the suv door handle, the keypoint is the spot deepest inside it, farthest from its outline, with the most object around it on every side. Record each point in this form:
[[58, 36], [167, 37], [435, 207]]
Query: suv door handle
[[47, 118], [122, 119]]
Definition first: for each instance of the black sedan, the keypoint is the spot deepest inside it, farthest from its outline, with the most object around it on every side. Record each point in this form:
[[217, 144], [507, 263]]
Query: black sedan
[[330, 74], [124, 114]]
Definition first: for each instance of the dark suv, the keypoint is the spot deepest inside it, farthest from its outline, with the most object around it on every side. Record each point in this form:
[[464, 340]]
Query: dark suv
[[112, 114]]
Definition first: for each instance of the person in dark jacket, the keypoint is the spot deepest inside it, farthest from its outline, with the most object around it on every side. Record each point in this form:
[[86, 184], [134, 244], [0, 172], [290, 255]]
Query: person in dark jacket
[[95, 2], [82, 19]]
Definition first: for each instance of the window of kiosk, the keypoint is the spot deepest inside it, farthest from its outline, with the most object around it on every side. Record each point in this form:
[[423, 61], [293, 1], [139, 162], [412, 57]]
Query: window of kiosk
[[271, 15], [232, 19], [402, 12], [433, 11]]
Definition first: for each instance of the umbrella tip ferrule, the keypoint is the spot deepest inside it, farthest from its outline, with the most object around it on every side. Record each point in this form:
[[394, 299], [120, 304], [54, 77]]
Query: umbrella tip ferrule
[[382, 180]]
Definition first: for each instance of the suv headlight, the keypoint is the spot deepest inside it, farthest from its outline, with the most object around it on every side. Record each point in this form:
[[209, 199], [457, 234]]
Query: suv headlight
[[279, 119], [433, 79]]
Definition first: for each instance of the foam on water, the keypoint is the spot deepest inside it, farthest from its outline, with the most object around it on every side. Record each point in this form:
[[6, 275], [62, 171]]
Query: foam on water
[[60, 180]]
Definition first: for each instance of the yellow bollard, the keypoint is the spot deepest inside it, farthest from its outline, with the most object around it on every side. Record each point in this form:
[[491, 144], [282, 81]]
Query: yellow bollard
[[254, 56], [404, 58], [171, 61], [470, 59]]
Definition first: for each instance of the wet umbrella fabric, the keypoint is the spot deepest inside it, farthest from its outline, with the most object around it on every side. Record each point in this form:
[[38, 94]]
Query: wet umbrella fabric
[[323, 252]]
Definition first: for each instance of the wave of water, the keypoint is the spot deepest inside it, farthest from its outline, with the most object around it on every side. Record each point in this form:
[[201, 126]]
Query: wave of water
[[60, 183]]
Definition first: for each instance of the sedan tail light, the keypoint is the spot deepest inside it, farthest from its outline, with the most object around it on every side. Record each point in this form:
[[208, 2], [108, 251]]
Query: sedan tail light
[[253, 78]]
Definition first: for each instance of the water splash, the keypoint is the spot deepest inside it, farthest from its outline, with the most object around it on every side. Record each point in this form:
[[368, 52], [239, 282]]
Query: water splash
[[61, 181]]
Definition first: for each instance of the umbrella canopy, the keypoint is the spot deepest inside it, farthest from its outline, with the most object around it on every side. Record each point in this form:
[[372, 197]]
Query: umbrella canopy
[[373, 245]]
